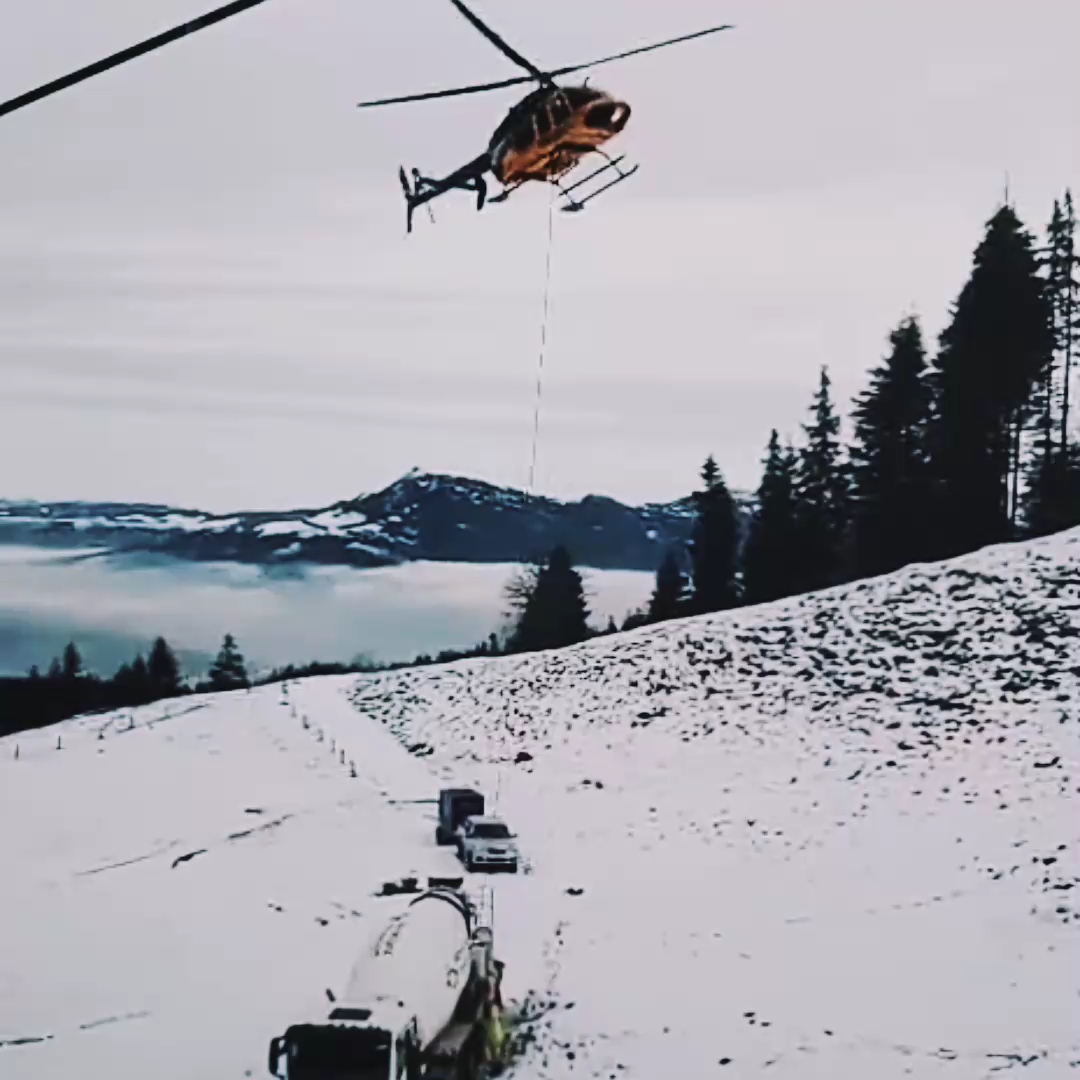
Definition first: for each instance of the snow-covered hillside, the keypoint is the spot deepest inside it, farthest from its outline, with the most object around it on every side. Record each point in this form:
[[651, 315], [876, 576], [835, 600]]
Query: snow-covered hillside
[[834, 837]]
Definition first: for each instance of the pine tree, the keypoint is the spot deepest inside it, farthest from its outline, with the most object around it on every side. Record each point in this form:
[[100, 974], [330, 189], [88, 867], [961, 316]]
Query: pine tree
[[771, 557], [164, 670], [668, 594], [72, 663], [633, 620], [1065, 298], [1052, 499], [554, 613], [228, 671], [822, 496], [993, 353], [142, 690], [710, 473], [714, 544], [121, 685], [893, 507], [1052, 387]]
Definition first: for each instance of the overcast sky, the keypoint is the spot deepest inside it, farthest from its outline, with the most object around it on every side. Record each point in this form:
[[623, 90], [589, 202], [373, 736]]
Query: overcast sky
[[207, 296]]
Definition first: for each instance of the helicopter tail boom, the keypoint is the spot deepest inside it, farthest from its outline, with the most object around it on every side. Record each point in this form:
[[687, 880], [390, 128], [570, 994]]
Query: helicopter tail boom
[[422, 189]]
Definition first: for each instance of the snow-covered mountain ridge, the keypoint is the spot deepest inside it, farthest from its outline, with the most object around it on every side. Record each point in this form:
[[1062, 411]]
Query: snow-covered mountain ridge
[[419, 517]]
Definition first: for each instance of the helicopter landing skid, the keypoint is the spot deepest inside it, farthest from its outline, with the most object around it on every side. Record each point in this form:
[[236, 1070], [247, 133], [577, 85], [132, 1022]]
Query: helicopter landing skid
[[573, 205]]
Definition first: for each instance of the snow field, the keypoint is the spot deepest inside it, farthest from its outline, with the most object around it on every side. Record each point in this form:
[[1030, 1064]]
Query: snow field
[[833, 837], [130, 963]]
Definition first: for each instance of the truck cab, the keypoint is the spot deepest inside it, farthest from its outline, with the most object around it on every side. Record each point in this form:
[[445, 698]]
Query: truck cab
[[337, 1050], [455, 805]]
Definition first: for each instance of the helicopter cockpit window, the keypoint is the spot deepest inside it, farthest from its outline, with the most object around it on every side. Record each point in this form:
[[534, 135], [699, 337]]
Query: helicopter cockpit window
[[601, 116], [560, 109], [522, 137], [543, 121]]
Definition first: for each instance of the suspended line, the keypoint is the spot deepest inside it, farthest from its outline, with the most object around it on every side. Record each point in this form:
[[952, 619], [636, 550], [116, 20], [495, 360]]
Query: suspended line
[[122, 57], [536, 420], [543, 345]]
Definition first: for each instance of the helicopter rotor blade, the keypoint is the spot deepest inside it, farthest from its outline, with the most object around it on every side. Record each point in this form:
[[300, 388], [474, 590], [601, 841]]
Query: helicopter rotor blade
[[479, 88], [149, 45], [498, 42], [546, 77], [634, 52]]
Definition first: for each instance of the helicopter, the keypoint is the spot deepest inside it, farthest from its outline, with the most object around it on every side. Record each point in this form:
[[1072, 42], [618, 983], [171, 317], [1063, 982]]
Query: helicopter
[[542, 138]]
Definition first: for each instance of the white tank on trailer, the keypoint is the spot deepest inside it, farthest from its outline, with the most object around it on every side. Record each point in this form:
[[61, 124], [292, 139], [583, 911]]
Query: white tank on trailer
[[418, 964]]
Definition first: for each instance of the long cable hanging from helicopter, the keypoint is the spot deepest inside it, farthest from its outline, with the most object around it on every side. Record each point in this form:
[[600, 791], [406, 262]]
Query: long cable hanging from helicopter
[[158, 41], [545, 314]]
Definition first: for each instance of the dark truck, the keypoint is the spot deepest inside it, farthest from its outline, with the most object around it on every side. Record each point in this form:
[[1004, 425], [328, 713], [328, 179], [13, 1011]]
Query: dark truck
[[455, 805]]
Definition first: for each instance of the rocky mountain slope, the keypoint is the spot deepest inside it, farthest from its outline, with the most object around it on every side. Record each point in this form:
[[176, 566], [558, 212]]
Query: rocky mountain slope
[[419, 517]]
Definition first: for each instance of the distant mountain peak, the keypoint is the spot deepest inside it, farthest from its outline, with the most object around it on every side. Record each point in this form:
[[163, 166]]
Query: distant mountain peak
[[438, 517]]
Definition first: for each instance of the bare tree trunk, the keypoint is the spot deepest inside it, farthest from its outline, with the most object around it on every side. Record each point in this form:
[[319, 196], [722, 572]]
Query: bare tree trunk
[[1017, 424], [1071, 264], [1070, 329]]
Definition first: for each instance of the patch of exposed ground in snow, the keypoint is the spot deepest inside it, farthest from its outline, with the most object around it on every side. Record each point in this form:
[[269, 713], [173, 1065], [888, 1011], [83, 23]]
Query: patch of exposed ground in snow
[[829, 837]]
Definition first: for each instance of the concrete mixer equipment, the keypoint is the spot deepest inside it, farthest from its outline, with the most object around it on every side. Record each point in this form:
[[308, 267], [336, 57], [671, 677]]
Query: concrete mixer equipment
[[419, 1004]]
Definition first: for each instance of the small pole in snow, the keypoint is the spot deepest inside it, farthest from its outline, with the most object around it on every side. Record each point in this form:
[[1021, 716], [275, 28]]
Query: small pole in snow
[[59, 745], [16, 751]]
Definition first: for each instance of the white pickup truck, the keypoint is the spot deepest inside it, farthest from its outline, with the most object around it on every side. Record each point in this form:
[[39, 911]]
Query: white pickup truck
[[486, 843]]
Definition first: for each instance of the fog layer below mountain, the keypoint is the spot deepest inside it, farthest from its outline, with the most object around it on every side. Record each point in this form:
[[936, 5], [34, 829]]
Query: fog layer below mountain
[[113, 606]]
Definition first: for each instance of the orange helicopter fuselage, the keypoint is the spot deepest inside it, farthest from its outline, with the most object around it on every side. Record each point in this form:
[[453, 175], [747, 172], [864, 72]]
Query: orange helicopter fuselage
[[546, 133]]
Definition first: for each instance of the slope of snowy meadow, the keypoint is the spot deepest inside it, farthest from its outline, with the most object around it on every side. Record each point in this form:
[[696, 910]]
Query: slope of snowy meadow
[[832, 837]]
